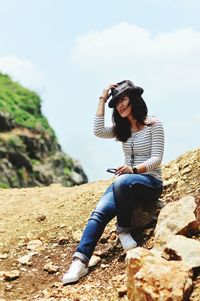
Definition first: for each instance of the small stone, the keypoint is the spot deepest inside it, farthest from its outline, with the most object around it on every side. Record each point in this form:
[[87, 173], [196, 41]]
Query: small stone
[[8, 287], [104, 266], [57, 284], [11, 275], [34, 244], [122, 291], [103, 240], [46, 294], [113, 236], [3, 256], [119, 277], [94, 260], [76, 235], [98, 253], [25, 260], [63, 241], [40, 218], [50, 268]]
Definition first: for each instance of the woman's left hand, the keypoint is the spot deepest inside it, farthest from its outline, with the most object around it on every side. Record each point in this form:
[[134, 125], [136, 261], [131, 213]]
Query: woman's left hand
[[123, 169]]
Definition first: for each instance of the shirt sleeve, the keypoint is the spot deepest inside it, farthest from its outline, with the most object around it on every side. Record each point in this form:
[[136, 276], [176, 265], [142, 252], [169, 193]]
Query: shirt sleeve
[[100, 130], [157, 146]]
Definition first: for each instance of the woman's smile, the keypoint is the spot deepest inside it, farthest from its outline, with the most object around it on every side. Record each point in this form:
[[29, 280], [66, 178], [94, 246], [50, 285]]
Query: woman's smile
[[123, 106]]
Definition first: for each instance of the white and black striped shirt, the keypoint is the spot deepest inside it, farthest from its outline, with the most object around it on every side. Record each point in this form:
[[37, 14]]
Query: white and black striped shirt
[[148, 144]]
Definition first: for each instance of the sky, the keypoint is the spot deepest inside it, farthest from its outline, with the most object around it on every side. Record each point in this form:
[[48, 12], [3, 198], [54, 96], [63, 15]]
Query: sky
[[69, 51]]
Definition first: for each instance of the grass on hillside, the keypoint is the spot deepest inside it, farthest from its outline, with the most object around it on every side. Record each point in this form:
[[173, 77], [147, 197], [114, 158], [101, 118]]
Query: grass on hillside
[[23, 105]]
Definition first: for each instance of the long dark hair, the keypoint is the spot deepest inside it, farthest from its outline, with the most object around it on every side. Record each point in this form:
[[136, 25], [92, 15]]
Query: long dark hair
[[122, 127]]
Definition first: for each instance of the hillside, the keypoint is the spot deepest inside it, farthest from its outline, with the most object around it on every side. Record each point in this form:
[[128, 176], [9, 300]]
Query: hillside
[[30, 154], [53, 217]]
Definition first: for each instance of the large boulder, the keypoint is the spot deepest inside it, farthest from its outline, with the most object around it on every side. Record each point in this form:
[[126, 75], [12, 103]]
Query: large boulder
[[152, 278]]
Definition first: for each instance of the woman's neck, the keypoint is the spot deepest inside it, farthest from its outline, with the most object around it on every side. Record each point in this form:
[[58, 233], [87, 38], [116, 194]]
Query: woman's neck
[[135, 126]]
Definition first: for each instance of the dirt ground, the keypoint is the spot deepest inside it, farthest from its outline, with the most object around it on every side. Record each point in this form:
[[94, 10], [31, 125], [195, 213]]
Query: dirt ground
[[55, 216]]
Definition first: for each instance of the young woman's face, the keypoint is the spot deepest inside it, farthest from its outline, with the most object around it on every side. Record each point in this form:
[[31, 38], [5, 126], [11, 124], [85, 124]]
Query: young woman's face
[[123, 106]]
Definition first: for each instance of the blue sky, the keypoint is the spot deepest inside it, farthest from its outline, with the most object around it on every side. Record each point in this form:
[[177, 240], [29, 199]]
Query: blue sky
[[68, 51]]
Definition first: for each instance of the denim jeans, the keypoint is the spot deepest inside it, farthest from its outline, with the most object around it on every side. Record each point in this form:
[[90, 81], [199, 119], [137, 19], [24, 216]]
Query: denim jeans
[[127, 192]]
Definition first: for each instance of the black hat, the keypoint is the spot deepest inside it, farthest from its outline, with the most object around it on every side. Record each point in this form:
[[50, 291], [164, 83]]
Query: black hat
[[123, 86]]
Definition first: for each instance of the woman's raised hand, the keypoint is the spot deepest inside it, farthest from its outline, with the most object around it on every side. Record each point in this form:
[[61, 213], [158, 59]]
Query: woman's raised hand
[[105, 94]]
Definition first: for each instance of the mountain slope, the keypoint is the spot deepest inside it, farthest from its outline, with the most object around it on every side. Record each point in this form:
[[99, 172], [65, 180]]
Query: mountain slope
[[30, 154], [56, 215]]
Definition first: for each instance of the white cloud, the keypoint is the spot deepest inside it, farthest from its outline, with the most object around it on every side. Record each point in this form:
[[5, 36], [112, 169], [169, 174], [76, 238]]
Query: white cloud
[[129, 43], [23, 71], [126, 49], [184, 126]]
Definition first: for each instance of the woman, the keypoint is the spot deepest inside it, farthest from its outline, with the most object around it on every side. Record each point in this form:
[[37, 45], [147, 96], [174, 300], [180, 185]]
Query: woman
[[139, 179]]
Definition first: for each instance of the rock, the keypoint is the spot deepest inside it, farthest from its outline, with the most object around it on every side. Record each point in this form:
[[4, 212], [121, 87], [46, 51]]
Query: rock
[[145, 214], [175, 218], [76, 178], [104, 266], [122, 291], [185, 249], [94, 260], [50, 268], [8, 288], [40, 218], [99, 253], [34, 244], [63, 241], [113, 236], [181, 176], [28, 145], [150, 277], [6, 122], [76, 235], [3, 256], [197, 211], [11, 275], [25, 260]]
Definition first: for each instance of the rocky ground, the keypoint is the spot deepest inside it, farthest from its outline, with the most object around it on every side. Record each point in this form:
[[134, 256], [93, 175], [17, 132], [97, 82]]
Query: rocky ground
[[40, 227]]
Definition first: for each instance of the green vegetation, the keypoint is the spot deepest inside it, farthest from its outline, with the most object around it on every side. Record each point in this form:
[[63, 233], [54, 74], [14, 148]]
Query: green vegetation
[[23, 105], [15, 141], [29, 151], [4, 185]]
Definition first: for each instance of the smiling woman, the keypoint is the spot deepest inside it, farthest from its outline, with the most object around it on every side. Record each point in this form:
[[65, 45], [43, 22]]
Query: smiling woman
[[138, 180]]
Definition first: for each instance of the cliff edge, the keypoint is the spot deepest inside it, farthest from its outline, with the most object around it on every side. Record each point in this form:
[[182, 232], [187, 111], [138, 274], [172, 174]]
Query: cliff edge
[[30, 154]]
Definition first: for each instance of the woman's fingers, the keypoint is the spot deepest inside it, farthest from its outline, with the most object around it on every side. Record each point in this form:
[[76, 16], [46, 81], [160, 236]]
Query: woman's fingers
[[107, 89], [123, 169]]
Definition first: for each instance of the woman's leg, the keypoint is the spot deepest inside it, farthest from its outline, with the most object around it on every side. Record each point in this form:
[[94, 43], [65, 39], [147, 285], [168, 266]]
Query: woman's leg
[[129, 191], [100, 217], [103, 213]]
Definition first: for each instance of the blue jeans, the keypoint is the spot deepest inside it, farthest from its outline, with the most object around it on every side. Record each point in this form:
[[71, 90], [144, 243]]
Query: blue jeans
[[127, 192]]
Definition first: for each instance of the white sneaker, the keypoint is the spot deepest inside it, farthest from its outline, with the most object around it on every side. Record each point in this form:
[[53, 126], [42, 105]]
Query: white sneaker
[[77, 270], [127, 241]]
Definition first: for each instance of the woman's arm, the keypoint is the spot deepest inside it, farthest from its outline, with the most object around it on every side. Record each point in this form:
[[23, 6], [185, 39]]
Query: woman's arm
[[157, 149], [101, 107], [103, 99], [99, 128]]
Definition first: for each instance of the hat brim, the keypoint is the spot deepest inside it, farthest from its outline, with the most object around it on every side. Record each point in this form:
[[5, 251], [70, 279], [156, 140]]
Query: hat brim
[[136, 90]]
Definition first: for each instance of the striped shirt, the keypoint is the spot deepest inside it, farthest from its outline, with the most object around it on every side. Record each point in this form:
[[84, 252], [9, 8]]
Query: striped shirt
[[147, 144]]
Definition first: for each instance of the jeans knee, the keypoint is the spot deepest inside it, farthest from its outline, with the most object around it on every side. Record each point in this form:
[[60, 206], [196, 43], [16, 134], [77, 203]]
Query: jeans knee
[[102, 217], [121, 183]]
